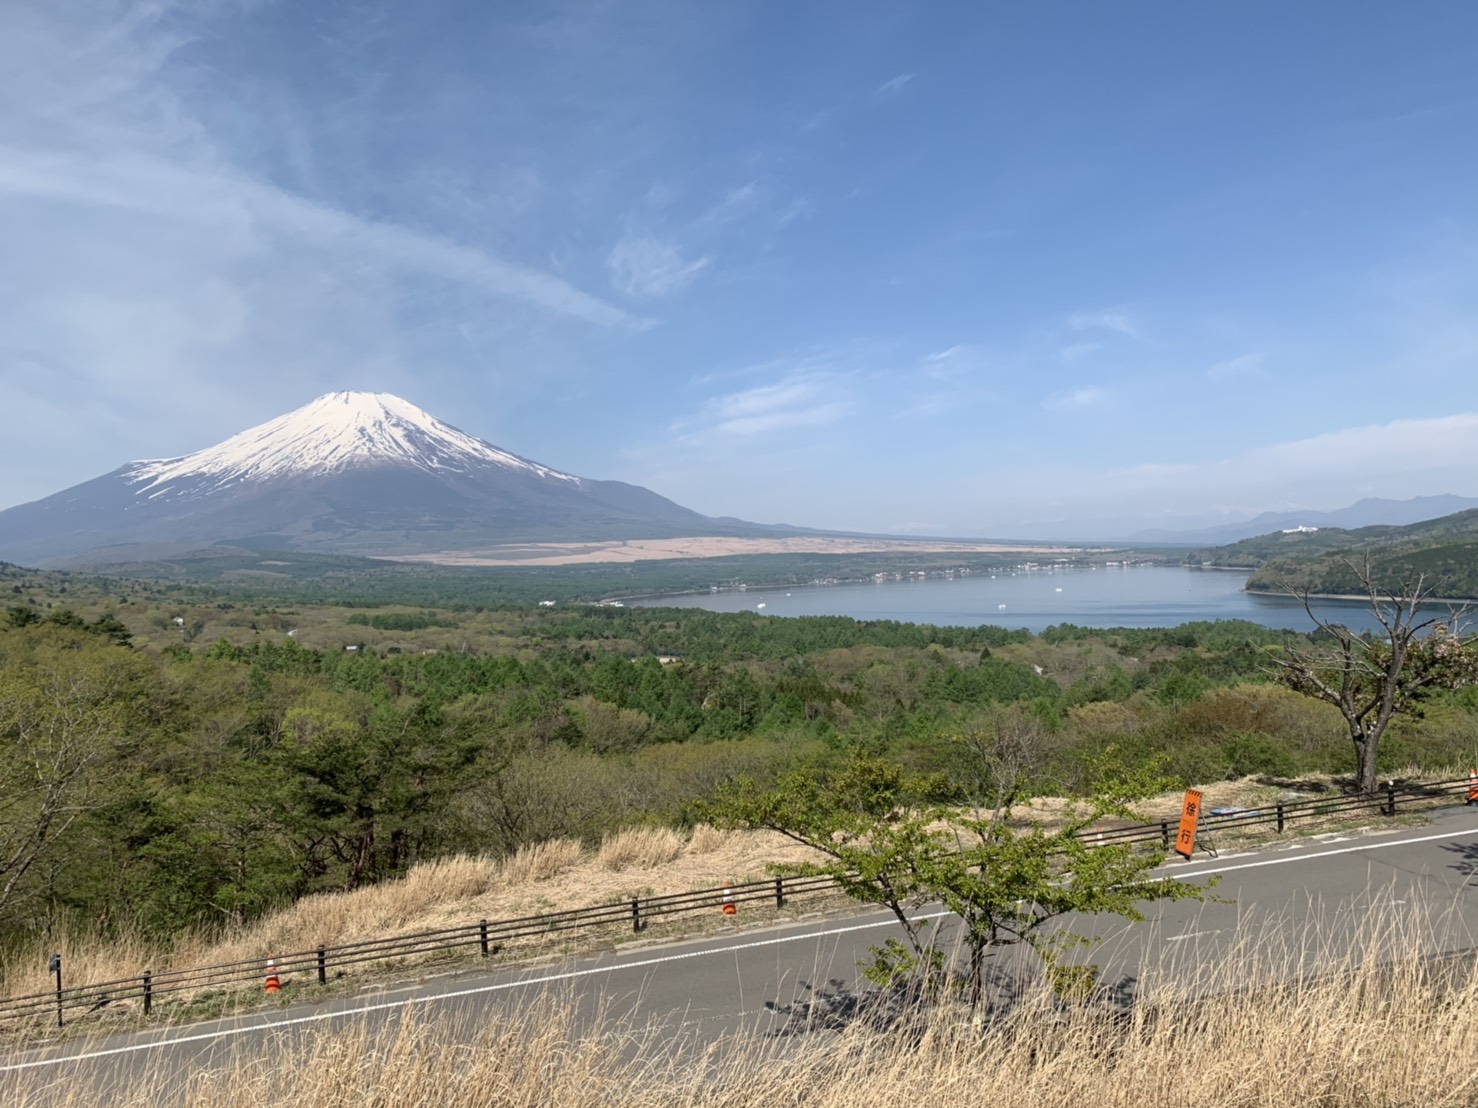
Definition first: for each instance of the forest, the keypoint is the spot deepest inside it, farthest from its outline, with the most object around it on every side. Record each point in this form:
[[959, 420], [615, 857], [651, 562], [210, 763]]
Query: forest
[[174, 765], [1442, 553]]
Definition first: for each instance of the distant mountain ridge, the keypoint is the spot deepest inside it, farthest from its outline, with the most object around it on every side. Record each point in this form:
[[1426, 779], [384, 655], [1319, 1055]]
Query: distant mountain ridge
[[1443, 551], [1369, 512], [351, 472]]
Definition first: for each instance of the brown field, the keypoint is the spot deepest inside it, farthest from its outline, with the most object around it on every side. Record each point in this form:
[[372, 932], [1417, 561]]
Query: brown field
[[641, 550]]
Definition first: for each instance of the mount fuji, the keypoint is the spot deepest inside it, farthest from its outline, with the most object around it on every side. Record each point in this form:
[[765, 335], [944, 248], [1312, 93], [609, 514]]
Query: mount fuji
[[352, 472]]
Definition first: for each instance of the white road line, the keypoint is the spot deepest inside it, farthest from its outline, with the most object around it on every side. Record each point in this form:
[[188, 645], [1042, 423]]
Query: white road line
[[1191, 935], [1182, 876], [503, 986]]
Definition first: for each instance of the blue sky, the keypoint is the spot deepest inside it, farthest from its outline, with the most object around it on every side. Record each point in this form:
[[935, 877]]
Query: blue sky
[[952, 269]]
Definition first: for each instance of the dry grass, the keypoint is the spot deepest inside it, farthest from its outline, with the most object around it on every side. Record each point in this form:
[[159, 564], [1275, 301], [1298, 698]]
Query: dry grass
[[640, 848], [1364, 1032], [706, 839], [544, 877], [540, 862]]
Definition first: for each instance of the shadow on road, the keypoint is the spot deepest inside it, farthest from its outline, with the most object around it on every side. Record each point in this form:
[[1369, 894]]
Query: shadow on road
[[1467, 857], [835, 1005]]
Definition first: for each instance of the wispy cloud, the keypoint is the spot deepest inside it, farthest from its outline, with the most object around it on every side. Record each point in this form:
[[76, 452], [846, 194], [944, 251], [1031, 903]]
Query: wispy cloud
[[1075, 350], [1327, 470], [168, 284], [894, 86], [1090, 396], [949, 380], [649, 267], [1247, 365], [945, 354], [808, 400], [134, 148], [1323, 471], [1116, 321], [1371, 454], [734, 204]]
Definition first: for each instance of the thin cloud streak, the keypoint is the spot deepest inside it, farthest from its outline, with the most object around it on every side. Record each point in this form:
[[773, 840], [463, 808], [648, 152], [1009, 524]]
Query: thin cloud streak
[[804, 400], [225, 202], [1248, 365], [647, 267], [1117, 322], [1087, 397]]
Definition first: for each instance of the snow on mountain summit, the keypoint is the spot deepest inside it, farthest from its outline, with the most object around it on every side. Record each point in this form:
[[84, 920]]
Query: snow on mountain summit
[[336, 432]]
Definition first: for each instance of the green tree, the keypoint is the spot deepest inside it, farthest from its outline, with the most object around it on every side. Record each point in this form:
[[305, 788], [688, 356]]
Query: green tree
[[365, 785], [70, 703], [19, 615], [886, 839]]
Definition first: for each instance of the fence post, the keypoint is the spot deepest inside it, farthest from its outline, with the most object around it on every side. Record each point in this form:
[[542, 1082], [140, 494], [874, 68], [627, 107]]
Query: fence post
[[55, 966], [148, 992], [322, 966], [1280, 817], [482, 936], [779, 892], [1390, 798], [1165, 832], [635, 915]]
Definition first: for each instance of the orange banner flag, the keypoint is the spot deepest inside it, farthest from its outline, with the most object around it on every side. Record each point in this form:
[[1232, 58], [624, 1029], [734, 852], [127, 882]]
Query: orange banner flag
[[1190, 812]]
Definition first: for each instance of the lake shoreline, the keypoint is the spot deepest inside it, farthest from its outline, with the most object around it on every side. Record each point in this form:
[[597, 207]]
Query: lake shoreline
[[1357, 597], [1093, 596]]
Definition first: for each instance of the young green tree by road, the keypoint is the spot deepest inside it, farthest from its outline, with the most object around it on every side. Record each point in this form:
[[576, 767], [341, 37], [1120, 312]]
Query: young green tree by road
[[895, 839]]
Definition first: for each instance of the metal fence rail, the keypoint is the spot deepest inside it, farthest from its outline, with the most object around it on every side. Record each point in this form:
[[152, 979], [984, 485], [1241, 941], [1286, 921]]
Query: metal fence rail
[[1278, 815], [489, 936]]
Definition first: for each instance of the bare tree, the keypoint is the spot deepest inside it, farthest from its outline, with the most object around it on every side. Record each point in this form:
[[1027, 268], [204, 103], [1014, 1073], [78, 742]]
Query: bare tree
[[1372, 678]]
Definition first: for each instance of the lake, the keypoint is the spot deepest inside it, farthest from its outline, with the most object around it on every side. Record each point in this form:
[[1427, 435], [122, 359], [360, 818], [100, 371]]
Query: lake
[[1100, 596]]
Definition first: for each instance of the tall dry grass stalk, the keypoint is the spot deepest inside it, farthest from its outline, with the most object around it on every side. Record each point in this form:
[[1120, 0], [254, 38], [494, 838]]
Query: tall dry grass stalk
[[540, 862], [1378, 1025], [707, 838], [640, 848]]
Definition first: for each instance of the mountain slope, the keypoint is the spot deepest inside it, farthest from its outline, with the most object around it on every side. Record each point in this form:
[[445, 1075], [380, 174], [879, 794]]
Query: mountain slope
[[351, 472], [1444, 551]]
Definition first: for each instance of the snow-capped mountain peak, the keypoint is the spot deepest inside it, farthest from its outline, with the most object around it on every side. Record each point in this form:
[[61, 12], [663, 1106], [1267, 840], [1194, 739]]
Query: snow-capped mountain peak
[[351, 473], [337, 432]]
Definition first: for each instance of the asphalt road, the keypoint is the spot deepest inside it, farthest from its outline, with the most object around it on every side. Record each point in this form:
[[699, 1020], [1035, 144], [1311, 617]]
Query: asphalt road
[[1298, 907]]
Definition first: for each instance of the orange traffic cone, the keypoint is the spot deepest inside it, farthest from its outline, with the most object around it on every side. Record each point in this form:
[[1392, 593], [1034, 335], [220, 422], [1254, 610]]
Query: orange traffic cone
[[273, 983], [1473, 786], [728, 898]]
